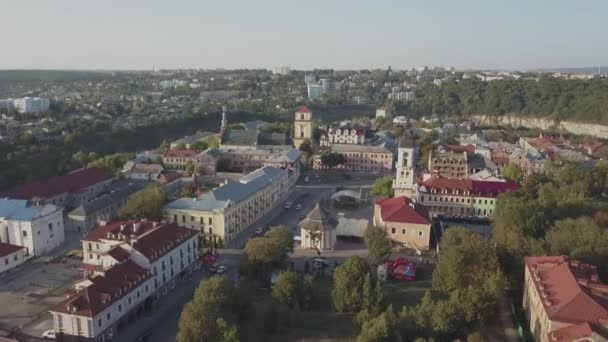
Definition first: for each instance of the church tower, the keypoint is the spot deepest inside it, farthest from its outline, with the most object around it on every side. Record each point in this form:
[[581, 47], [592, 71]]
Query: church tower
[[302, 126], [405, 182]]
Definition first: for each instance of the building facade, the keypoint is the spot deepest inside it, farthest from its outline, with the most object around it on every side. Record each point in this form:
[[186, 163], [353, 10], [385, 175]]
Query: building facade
[[31, 105], [234, 206], [405, 221], [37, 228], [302, 127], [449, 164], [461, 197], [11, 256], [405, 180], [361, 158], [564, 300], [343, 135]]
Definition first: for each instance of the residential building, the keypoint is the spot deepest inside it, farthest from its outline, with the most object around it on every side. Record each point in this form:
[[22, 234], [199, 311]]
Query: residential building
[[564, 300], [141, 171], [596, 149], [68, 191], [11, 256], [281, 70], [461, 197], [318, 230], [310, 78], [329, 86], [405, 221], [180, 159], [247, 160], [38, 228], [234, 206], [31, 105], [8, 104], [449, 164], [103, 208], [383, 112], [189, 140], [362, 158], [250, 135], [405, 180], [302, 126], [315, 91], [344, 135], [100, 305]]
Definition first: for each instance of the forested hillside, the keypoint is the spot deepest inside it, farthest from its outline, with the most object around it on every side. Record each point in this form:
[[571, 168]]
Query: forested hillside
[[578, 100]]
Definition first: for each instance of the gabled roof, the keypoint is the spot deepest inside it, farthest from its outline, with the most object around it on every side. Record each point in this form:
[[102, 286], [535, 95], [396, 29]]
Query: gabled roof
[[303, 109], [22, 210], [181, 153], [6, 249], [104, 288], [402, 210], [72, 182], [571, 289]]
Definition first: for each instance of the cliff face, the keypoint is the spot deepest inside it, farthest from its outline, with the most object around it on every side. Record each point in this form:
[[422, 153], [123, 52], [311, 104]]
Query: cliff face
[[600, 131]]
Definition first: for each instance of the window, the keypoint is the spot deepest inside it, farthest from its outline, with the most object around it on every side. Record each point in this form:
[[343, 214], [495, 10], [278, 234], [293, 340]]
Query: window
[[119, 307], [393, 230], [420, 233], [90, 247], [108, 316], [184, 219], [129, 300], [50, 227], [99, 322], [25, 233], [6, 261], [403, 231], [191, 218], [210, 220]]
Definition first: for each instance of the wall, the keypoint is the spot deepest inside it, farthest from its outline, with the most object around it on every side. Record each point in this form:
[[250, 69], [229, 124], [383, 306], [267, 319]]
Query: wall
[[600, 131], [12, 260]]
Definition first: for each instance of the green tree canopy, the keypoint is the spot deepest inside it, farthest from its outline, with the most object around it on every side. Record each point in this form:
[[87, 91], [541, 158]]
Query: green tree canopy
[[383, 187], [579, 238], [332, 159], [286, 290], [513, 173], [378, 244], [146, 204], [283, 237], [349, 280]]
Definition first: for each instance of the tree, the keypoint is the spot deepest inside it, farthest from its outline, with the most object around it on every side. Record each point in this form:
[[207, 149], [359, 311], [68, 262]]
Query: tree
[[332, 159], [283, 237], [581, 239], [349, 279], [187, 191], [379, 245], [190, 167], [306, 147], [382, 328], [199, 145], [147, 204], [383, 187], [286, 290], [211, 313], [513, 173]]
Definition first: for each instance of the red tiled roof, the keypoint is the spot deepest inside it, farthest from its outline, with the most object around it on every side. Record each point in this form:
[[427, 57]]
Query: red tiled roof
[[576, 332], [7, 248], [303, 109], [73, 182], [181, 153], [119, 254], [572, 289], [404, 210], [115, 283], [483, 188], [151, 239]]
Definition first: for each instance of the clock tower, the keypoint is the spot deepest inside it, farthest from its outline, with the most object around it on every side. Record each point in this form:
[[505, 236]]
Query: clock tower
[[302, 126]]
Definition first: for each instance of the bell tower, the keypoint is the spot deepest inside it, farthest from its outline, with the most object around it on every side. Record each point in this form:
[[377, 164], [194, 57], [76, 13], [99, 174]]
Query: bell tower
[[302, 126], [405, 181]]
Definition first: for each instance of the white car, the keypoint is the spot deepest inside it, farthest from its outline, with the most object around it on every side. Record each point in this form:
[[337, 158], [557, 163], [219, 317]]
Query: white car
[[259, 231], [287, 205], [49, 334], [298, 207], [306, 179]]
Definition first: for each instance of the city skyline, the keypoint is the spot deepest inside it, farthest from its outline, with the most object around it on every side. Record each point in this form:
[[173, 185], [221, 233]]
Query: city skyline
[[338, 35]]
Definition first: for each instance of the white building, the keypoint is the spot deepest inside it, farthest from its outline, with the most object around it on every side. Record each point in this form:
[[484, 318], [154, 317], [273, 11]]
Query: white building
[[383, 112], [100, 303], [310, 78], [131, 264], [405, 180], [314, 91], [343, 135], [32, 105], [11, 256], [37, 228], [8, 104], [281, 70]]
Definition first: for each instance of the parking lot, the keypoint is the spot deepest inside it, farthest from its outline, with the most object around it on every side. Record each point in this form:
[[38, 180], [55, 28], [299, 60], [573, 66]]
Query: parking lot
[[27, 292]]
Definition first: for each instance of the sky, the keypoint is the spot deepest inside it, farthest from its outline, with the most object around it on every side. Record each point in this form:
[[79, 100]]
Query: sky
[[302, 34]]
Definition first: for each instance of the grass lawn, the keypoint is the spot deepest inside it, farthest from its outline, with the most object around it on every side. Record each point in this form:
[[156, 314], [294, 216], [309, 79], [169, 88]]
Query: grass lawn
[[323, 324]]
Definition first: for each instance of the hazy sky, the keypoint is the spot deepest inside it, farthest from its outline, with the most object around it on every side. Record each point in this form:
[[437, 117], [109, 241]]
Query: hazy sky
[[304, 34]]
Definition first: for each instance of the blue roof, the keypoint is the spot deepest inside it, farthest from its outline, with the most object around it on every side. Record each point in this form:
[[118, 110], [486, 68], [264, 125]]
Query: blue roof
[[20, 210], [231, 192]]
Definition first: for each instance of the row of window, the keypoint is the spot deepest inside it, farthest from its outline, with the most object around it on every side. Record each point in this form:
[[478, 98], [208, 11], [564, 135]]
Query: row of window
[[404, 232], [457, 200]]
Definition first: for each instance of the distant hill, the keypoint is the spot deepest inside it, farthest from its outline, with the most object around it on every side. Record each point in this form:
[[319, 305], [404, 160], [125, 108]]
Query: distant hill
[[51, 75], [575, 70]]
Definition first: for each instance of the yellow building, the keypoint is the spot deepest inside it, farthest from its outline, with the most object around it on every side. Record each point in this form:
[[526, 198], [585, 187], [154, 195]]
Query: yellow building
[[234, 206], [406, 222], [302, 127], [564, 300]]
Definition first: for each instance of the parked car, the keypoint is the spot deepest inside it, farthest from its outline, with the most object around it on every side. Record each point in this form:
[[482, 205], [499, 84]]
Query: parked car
[[306, 179], [298, 207], [287, 205], [221, 269], [259, 231], [49, 334]]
